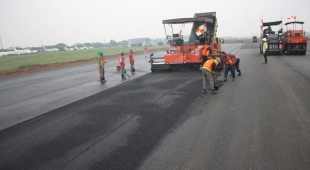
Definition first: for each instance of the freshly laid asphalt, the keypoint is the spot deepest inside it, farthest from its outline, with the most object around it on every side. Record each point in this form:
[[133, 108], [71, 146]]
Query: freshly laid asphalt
[[65, 119]]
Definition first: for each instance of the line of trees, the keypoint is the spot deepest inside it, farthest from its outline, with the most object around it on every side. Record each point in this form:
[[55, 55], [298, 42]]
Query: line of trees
[[61, 46]]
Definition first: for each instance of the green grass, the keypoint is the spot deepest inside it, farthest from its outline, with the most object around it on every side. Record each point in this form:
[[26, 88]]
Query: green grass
[[15, 62]]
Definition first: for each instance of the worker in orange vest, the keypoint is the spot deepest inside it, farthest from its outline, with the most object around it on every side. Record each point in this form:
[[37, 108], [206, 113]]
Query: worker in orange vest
[[101, 62], [121, 63], [132, 62], [145, 51], [208, 71], [230, 61], [205, 51]]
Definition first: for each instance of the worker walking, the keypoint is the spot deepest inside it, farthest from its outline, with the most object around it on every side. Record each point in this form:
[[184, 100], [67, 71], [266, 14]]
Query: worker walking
[[101, 62], [121, 63], [265, 49], [145, 51], [132, 62], [208, 71], [229, 60]]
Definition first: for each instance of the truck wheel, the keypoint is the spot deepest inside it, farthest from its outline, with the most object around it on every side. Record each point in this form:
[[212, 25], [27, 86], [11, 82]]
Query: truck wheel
[[280, 52], [304, 52]]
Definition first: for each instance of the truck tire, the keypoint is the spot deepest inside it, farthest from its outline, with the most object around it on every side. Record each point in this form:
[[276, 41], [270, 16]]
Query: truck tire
[[280, 52], [304, 52]]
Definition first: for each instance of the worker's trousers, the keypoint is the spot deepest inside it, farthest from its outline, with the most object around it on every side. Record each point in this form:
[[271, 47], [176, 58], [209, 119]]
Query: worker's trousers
[[207, 74], [101, 72], [231, 69], [237, 65], [123, 71], [132, 67]]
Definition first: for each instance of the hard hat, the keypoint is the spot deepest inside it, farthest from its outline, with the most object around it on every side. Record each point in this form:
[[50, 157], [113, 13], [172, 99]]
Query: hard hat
[[264, 39], [100, 53]]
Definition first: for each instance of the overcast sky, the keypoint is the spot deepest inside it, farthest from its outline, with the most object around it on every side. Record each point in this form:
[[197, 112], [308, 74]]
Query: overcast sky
[[28, 22]]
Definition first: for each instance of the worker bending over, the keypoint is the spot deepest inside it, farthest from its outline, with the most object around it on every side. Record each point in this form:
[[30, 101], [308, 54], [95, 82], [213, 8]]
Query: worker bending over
[[229, 61], [208, 71]]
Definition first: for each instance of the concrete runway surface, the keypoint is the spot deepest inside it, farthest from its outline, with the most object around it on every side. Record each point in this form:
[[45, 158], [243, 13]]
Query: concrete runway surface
[[65, 119]]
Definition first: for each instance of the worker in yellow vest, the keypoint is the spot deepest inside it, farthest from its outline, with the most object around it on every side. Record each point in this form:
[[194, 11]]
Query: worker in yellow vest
[[208, 71]]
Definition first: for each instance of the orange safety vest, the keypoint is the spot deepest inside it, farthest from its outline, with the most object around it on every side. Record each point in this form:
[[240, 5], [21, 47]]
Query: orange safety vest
[[205, 51], [121, 61], [131, 59], [229, 60], [208, 65]]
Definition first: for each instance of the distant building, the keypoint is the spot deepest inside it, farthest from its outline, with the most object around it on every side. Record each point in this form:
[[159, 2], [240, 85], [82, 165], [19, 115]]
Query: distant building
[[140, 42]]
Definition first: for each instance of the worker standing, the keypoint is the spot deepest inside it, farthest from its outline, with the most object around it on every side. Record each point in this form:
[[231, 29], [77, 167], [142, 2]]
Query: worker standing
[[208, 71], [265, 49], [121, 63], [101, 62], [229, 60], [205, 51], [132, 62], [145, 51]]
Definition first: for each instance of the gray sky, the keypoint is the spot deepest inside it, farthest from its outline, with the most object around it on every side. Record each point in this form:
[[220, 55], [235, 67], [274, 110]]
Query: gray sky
[[28, 22]]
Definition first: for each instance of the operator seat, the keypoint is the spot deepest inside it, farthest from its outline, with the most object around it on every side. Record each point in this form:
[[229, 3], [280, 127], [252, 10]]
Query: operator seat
[[177, 40]]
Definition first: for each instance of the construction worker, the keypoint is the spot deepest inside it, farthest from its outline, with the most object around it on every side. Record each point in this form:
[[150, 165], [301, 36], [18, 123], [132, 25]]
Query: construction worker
[[145, 51], [208, 71], [121, 63], [101, 62], [229, 60], [265, 49], [132, 61], [205, 51], [237, 66]]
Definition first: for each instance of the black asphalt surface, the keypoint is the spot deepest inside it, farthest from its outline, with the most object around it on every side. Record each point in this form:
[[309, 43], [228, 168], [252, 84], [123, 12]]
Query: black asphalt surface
[[163, 121]]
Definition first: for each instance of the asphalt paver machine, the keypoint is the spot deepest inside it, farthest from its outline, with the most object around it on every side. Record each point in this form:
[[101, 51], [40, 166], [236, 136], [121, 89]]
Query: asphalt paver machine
[[274, 38], [184, 48]]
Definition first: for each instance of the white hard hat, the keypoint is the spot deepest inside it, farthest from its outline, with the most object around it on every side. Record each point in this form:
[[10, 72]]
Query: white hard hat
[[264, 39]]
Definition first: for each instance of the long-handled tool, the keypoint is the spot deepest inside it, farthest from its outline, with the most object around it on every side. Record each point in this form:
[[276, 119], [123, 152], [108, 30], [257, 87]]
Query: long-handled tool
[[215, 87]]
